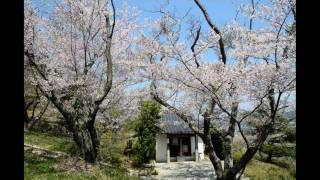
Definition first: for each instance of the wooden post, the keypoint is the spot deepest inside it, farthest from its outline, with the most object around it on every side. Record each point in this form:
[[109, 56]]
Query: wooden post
[[197, 152], [222, 163], [168, 151], [180, 146]]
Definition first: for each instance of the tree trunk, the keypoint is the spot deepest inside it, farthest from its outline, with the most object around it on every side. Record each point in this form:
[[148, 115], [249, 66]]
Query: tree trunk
[[214, 158], [82, 128], [94, 136], [230, 136], [83, 139]]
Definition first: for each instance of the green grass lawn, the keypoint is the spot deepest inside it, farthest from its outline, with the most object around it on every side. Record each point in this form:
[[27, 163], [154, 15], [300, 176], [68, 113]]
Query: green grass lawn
[[37, 167]]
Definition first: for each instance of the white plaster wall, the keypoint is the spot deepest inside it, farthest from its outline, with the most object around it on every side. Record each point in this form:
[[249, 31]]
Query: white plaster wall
[[200, 148], [161, 148]]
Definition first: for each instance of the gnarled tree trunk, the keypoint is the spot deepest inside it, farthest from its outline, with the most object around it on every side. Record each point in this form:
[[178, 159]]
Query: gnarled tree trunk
[[86, 139]]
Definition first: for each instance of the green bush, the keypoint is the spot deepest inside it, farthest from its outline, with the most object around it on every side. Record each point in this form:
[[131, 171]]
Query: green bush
[[111, 148], [258, 170], [154, 171], [278, 150], [146, 127], [236, 156]]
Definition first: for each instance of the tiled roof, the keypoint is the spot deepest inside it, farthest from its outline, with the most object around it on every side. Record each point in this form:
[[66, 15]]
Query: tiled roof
[[173, 124]]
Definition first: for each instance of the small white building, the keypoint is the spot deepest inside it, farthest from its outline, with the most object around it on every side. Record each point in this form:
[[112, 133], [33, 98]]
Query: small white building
[[177, 142]]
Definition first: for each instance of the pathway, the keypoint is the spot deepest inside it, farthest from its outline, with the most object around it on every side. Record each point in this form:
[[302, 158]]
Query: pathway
[[185, 170]]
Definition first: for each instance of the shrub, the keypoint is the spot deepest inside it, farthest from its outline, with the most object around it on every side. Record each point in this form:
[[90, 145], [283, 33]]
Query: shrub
[[146, 127], [154, 171], [112, 146], [236, 156], [277, 150], [258, 170]]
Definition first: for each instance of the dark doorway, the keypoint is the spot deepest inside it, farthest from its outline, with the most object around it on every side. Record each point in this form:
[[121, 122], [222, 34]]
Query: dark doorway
[[180, 145], [174, 146], [186, 146]]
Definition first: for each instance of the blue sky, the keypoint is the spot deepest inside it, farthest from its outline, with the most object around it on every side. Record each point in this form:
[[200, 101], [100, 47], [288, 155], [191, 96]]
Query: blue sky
[[221, 11]]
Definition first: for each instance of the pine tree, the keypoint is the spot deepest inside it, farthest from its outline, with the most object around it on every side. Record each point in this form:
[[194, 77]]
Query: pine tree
[[146, 128]]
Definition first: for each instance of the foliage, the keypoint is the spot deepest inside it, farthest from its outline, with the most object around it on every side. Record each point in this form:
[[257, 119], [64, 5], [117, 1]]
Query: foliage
[[281, 141], [146, 128], [112, 146], [258, 170], [278, 150], [290, 135], [237, 156]]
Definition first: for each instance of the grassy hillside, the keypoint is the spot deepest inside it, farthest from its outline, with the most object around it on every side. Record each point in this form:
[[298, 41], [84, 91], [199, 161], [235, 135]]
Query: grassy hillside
[[50, 142], [280, 169], [40, 167], [258, 170]]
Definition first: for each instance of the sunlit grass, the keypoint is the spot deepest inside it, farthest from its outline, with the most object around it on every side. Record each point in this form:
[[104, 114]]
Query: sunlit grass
[[37, 167], [258, 170]]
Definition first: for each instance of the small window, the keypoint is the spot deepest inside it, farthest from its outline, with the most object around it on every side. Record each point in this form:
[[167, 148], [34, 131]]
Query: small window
[[175, 141]]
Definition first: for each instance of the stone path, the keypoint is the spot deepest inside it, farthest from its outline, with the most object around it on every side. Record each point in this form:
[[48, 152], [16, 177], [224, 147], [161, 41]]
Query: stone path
[[185, 170]]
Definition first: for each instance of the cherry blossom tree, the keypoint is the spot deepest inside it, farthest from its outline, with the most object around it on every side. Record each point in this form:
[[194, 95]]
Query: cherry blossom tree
[[76, 56], [255, 65]]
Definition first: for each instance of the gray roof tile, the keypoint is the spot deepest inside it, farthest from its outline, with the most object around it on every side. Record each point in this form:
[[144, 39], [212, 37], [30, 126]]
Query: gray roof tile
[[173, 124]]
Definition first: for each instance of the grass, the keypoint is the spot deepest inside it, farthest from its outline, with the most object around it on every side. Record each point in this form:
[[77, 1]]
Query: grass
[[37, 167], [258, 170], [279, 169], [50, 142]]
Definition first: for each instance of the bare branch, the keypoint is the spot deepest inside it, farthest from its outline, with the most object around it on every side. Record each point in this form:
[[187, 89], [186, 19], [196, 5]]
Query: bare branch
[[215, 29], [194, 44], [114, 19], [251, 19], [242, 134]]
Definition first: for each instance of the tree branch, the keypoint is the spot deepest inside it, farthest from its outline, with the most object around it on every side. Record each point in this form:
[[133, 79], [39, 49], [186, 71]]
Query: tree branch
[[251, 19], [215, 29], [114, 19], [176, 111], [242, 134], [194, 44], [108, 58]]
